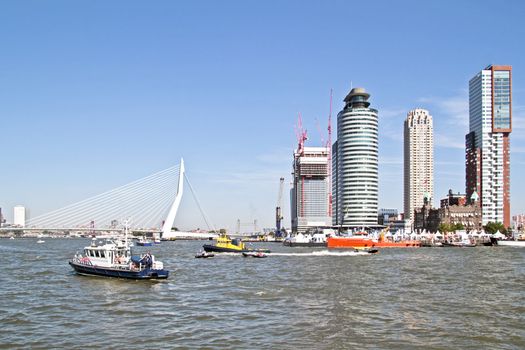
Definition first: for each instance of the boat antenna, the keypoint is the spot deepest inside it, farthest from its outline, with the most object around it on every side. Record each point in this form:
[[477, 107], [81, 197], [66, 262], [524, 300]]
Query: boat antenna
[[126, 227]]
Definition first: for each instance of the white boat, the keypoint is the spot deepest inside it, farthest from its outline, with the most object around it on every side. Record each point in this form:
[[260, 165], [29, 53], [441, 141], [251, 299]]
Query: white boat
[[510, 243], [317, 239], [40, 241], [143, 242], [11, 237], [113, 258]]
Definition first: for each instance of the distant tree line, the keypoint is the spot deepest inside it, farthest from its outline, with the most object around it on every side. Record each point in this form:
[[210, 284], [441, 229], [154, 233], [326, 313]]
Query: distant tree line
[[490, 228]]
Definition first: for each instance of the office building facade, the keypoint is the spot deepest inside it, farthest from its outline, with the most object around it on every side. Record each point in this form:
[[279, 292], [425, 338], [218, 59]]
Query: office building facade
[[487, 143], [355, 163]]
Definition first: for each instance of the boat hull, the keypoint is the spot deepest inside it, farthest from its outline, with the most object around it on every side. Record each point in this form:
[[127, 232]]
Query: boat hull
[[144, 244], [352, 243], [458, 244], [119, 273], [510, 243]]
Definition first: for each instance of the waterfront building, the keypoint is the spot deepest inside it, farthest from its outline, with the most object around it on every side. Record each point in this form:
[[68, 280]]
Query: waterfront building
[[384, 216], [455, 209], [418, 160], [310, 194], [426, 218], [519, 222], [487, 143], [354, 163], [453, 199], [19, 216]]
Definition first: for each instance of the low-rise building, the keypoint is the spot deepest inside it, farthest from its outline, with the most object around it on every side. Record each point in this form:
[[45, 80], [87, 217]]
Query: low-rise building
[[469, 215]]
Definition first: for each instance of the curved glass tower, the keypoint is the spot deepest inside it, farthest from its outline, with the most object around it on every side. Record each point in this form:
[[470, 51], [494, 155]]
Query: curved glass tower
[[355, 177]]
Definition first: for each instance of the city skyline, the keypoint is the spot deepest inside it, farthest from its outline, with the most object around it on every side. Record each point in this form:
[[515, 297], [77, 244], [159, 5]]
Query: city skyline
[[92, 99]]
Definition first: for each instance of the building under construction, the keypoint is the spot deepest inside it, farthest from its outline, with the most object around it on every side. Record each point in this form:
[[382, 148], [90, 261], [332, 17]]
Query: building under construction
[[310, 194]]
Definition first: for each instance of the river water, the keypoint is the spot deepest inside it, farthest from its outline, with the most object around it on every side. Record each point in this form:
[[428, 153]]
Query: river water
[[298, 298]]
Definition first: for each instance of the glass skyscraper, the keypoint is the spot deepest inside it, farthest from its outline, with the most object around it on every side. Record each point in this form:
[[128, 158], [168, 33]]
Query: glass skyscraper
[[355, 163]]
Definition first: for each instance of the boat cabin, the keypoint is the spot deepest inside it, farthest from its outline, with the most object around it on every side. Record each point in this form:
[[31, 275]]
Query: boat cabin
[[107, 254]]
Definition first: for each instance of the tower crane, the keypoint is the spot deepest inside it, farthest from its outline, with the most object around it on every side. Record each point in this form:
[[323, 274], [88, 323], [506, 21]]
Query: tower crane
[[278, 211]]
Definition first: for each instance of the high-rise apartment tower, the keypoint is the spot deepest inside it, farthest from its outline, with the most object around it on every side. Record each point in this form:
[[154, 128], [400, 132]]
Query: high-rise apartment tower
[[487, 143], [354, 163], [19, 216], [418, 161]]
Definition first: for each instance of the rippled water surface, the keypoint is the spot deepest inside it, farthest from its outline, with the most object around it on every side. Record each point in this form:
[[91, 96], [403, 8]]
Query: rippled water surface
[[432, 298]]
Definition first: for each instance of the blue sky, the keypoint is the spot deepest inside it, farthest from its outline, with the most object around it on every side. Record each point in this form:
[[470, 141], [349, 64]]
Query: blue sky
[[95, 94]]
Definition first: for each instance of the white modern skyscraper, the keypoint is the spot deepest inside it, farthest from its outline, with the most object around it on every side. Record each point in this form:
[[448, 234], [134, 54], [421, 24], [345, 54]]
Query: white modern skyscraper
[[418, 161], [487, 143], [19, 216], [310, 192], [354, 169]]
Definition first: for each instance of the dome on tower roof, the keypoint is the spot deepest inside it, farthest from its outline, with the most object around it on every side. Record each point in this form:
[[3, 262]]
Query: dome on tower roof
[[358, 97]]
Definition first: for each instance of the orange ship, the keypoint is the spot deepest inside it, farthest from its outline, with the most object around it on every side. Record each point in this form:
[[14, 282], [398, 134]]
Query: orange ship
[[363, 241]]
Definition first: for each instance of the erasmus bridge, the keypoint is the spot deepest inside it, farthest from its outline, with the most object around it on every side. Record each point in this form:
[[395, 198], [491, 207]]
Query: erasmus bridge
[[149, 204]]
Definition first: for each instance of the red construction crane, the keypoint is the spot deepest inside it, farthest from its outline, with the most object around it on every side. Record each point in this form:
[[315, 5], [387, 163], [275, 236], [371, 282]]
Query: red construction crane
[[301, 134]]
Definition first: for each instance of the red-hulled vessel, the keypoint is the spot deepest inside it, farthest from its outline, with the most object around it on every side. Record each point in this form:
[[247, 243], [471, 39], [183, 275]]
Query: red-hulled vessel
[[362, 240]]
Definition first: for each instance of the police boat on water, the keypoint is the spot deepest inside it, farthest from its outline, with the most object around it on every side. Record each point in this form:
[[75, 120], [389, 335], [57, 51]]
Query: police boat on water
[[113, 258]]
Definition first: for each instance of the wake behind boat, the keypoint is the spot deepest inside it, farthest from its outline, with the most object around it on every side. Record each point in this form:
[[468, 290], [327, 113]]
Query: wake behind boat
[[113, 258]]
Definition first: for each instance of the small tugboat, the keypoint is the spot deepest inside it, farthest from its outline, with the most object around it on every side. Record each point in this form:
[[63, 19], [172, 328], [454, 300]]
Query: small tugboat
[[204, 254], [114, 259], [227, 245], [254, 254]]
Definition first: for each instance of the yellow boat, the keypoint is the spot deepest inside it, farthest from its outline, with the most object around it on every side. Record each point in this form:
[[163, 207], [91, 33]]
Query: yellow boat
[[227, 245]]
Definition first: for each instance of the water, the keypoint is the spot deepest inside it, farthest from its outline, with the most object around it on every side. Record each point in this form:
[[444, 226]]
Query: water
[[298, 298]]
